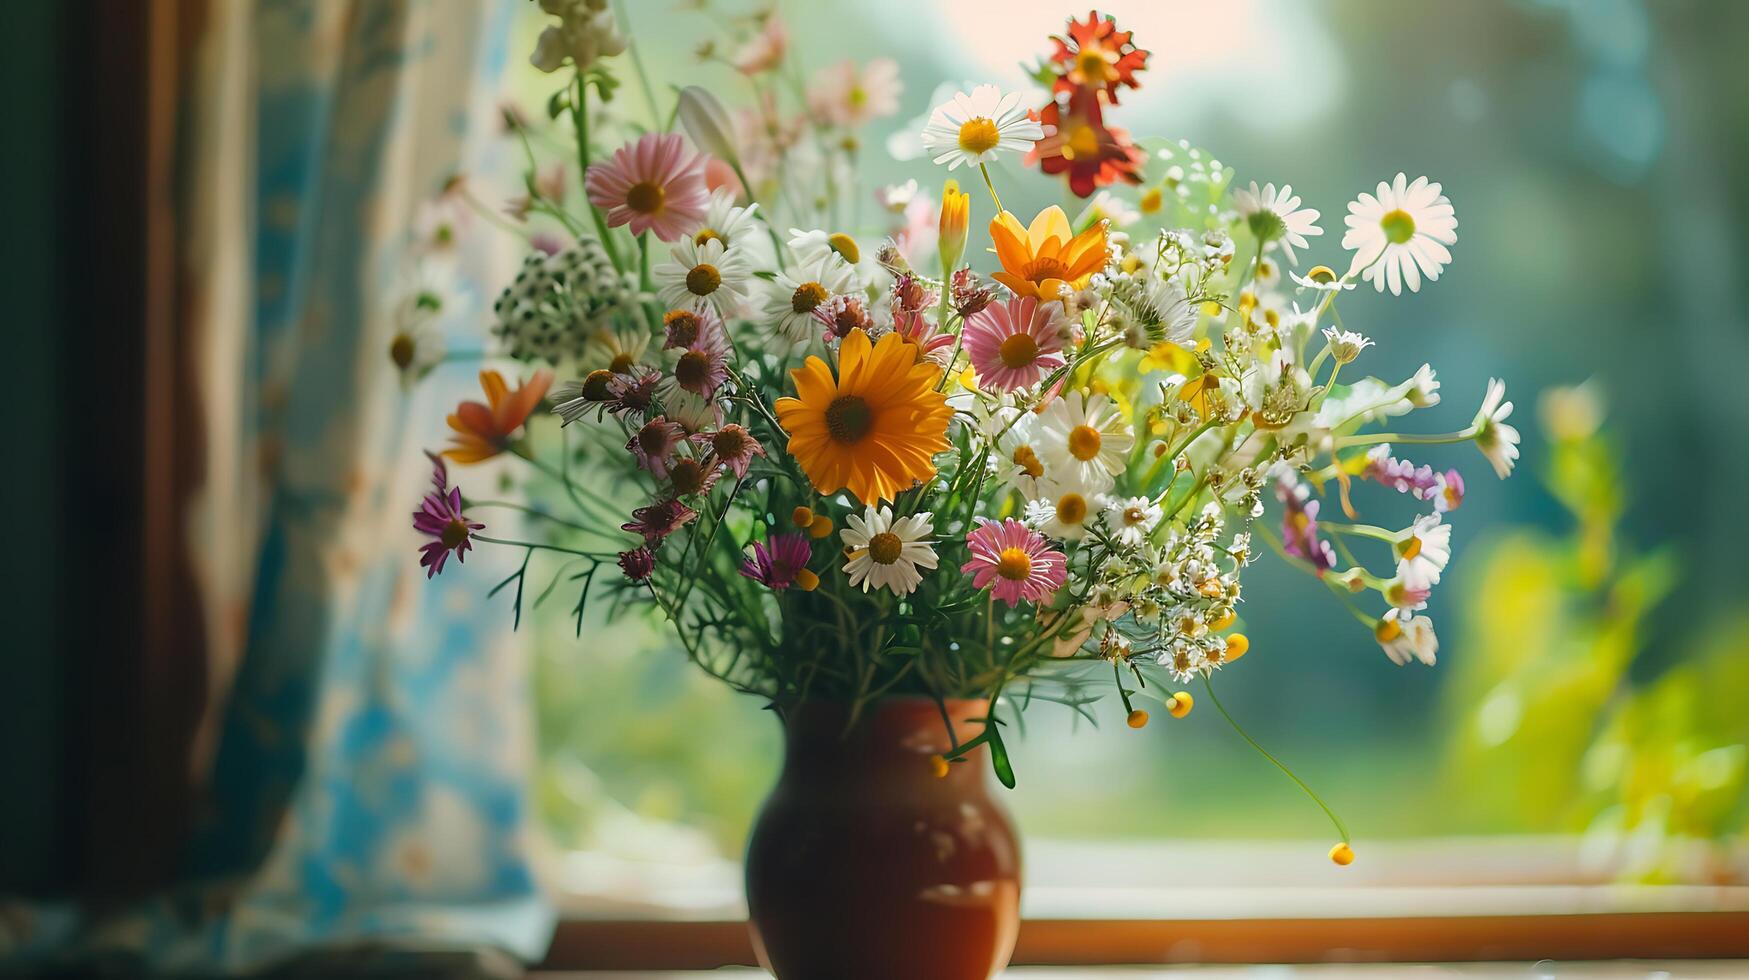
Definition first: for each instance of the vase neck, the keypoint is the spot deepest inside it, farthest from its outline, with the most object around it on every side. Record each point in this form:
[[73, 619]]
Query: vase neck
[[822, 740]]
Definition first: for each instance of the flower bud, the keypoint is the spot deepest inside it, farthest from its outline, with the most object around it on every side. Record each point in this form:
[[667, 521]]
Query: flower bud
[[707, 122], [956, 219], [1342, 854], [1138, 718], [1179, 704]]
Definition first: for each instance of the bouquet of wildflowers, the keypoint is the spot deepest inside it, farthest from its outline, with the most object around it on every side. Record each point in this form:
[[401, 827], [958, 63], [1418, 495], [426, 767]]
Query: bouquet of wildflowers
[[932, 455]]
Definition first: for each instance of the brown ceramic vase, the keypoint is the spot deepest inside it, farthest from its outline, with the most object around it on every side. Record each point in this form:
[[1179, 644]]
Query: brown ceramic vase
[[864, 865]]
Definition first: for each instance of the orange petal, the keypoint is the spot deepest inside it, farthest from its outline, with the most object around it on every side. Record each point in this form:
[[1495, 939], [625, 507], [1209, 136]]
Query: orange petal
[[493, 384]]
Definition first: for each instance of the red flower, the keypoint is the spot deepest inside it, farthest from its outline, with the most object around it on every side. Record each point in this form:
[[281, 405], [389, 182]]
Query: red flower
[[1097, 55], [1078, 142]]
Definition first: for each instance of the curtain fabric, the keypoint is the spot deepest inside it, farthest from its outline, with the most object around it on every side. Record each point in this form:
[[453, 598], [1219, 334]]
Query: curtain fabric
[[370, 740]]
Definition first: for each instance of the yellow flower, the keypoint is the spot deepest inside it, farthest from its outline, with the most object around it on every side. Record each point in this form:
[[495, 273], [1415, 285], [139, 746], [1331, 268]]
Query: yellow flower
[[956, 218], [1040, 260], [875, 428]]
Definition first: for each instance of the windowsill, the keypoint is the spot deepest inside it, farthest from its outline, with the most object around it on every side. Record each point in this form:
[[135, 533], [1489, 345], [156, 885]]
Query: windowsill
[[1223, 902]]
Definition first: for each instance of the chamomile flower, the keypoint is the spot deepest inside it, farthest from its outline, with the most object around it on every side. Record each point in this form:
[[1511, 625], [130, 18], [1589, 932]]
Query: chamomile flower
[[1497, 440], [816, 246], [1345, 345], [736, 227], [887, 553], [1084, 439], [704, 276], [1063, 510], [1323, 279], [972, 129], [1274, 215], [1423, 550], [1400, 235], [1020, 464], [1405, 636], [1132, 519], [796, 294]]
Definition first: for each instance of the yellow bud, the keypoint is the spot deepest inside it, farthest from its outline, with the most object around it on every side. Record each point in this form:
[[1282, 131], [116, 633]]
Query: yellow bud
[[1237, 644], [1138, 718], [938, 765], [1180, 704], [1225, 621], [807, 581], [821, 527], [801, 517], [1342, 854]]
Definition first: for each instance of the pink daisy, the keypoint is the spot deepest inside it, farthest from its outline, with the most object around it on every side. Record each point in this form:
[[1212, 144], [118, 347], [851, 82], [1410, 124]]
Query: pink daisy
[[849, 95], [659, 520], [733, 446], [653, 444], [1014, 561], [654, 183], [1014, 344], [775, 562], [704, 364]]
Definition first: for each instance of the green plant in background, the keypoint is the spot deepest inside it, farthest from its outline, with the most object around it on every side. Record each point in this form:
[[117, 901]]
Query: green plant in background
[[1554, 731]]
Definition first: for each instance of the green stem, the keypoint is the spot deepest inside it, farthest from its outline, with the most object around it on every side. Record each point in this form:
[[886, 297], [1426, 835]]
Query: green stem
[[1334, 819], [580, 117]]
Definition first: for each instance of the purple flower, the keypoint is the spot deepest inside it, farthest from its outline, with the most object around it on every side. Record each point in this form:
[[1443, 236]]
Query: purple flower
[[1451, 492], [1399, 474], [440, 516], [733, 446], [659, 520], [638, 564], [776, 563], [1299, 527], [632, 394], [653, 444]]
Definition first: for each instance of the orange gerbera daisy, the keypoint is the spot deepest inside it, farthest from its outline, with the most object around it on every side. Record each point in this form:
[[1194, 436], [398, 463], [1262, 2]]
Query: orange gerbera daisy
[[1097, 55], [875, 428], [1040, 260], [483, 431]]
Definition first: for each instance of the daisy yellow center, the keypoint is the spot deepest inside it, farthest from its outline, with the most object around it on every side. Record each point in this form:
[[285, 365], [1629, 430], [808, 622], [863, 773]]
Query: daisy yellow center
[[846, 246], [1134, 515], [979, 136], [646, 197], [692, 369], [806, 297], [1152, 200], [595, 386], [1028, 462], [402, 349], [1322, 274], [849, 418], [454, 533], [1082, 141], [1071, 508], [885, 548], [1084, 442], [1018, 351], [621, 363], [703, 280], [1398, 225], [1410, 548], [857, 96], [1014, 564], [706, 235], [1388, 630], [1093, 66]]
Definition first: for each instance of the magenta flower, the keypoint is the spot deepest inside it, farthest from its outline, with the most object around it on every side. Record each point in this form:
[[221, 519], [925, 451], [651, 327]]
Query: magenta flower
[[967, 294], [653, 444], [912, 295], [1451, 492], [1014, 344], [440, 516], [654, 183], [920, 332], [733, 446], [659, 520], [776, 562], [1014, 561], [704, 364], [1299, 527], [638, 564], [1399, 474], [632, 394], [841, 314]]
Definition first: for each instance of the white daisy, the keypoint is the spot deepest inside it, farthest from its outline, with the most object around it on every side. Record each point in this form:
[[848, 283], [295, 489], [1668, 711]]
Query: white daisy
[[885, 553], [1345, 345], [1106, 206], [1132, 519], [417, 348], [736, 227], [970, 129], [1277, 216], [704, 276], [1063, 510], [1021, 463], [1084, 439], [796, 294], [1497, 440], [1404, 635], [1423, 550], [1401, 235], [1323, 279], [816, 246]]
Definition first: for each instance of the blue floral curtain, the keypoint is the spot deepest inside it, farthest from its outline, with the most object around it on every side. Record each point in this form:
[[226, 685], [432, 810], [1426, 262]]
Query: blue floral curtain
[[370, 748]]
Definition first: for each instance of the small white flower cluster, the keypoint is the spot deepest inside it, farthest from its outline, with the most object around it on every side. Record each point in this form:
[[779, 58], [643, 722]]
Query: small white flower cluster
[[586, 31], [558, 303]]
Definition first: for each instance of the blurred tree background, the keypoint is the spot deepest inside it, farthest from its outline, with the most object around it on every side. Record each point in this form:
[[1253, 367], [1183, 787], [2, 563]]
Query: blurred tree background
[[1595, 654]]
